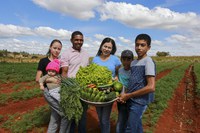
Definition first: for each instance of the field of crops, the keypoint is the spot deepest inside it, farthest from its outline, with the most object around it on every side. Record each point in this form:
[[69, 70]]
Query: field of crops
[[176, 107]]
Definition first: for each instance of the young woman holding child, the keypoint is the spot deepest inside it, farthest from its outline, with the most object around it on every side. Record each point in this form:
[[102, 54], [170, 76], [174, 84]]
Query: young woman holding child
[[57, 117]]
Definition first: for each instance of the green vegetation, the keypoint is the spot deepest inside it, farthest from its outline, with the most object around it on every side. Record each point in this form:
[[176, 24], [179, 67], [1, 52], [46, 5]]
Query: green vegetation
[[162, 53], [17, 72], [197, 78], [178, 59], [94, 74], [160, 66], [22, 123], [70, 99]]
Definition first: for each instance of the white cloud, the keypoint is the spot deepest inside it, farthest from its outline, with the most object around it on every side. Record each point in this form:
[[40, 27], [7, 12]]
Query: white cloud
[[157, 42], [49, 32], [138, 16], [13, 31], [81, 9], [10, 31], [99, 36], [124, 40]]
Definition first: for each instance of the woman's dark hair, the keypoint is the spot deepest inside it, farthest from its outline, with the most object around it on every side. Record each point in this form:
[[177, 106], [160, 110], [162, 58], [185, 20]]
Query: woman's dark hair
[[76, 33], [145, 37], [105, 40], [52, 42]]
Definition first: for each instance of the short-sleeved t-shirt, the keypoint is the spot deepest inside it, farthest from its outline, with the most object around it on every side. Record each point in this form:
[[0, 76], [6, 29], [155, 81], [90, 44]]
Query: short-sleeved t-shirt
[[73, 59], [139, 70], [124, 76], [111, 63], [43, 64]]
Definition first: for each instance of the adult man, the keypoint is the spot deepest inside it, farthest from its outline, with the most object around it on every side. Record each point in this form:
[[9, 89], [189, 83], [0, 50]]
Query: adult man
[[71, 60]]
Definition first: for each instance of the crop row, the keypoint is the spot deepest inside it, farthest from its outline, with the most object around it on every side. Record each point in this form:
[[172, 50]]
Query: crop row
[[18, 123], [20, 95], [165, 88], [17, 72], [197, 74]]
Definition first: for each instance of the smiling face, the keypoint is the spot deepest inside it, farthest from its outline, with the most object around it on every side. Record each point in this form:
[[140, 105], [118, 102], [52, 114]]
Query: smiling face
[[106, 48], [77, 42], [55, 49], [141, 48]]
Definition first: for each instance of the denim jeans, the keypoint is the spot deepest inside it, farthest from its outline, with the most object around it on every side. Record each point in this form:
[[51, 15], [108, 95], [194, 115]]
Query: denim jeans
[[57, 117], [82, 122], [134, 124], [122, 117], [104, 117]]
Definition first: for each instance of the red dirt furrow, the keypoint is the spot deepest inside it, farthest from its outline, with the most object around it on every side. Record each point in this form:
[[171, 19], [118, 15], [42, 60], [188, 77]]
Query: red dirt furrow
[[22, 106], [163, 73], [8, 87], [181, 115]]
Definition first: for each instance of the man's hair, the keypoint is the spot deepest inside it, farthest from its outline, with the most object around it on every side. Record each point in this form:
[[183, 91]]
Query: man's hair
[[145, 37], [76, 33]]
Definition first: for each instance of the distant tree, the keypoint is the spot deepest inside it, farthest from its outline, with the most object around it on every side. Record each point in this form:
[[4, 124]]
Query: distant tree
[[34, 57], [24, 54], [162, 53], [4, 52], [1, 54]]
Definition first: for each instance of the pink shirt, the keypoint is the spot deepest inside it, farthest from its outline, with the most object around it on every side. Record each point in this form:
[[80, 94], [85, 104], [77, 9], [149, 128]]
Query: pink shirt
[[73, 59]]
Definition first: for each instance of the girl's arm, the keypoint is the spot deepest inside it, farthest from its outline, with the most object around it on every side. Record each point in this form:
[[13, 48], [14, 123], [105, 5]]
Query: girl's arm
[[38, 75]]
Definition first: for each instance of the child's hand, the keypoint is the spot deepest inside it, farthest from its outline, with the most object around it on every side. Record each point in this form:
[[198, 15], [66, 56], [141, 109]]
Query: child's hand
[[123, 97], [58, 81], [116, 78], [41, 86]]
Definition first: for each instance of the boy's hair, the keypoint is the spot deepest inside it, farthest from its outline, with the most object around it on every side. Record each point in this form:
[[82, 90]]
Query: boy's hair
[[127, 54], [145, 37]]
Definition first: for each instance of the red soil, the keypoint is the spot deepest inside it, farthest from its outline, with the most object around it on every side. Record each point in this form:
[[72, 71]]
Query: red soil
[[92, 120], [181, 116]]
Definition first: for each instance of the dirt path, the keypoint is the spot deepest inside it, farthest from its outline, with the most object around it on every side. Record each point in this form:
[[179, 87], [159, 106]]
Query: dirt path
[[181, 115]]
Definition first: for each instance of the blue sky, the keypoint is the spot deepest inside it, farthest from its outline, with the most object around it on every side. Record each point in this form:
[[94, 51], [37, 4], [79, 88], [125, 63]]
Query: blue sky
[[31, 25]]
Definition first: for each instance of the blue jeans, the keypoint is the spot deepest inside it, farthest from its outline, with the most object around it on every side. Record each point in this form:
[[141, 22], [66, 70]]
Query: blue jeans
[[122, 117], [134, 124], [104, 117], [82, 122], [57, 117]]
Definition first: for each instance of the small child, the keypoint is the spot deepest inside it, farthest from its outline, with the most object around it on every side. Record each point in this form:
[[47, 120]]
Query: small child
[[123, 76], [51, 78]]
